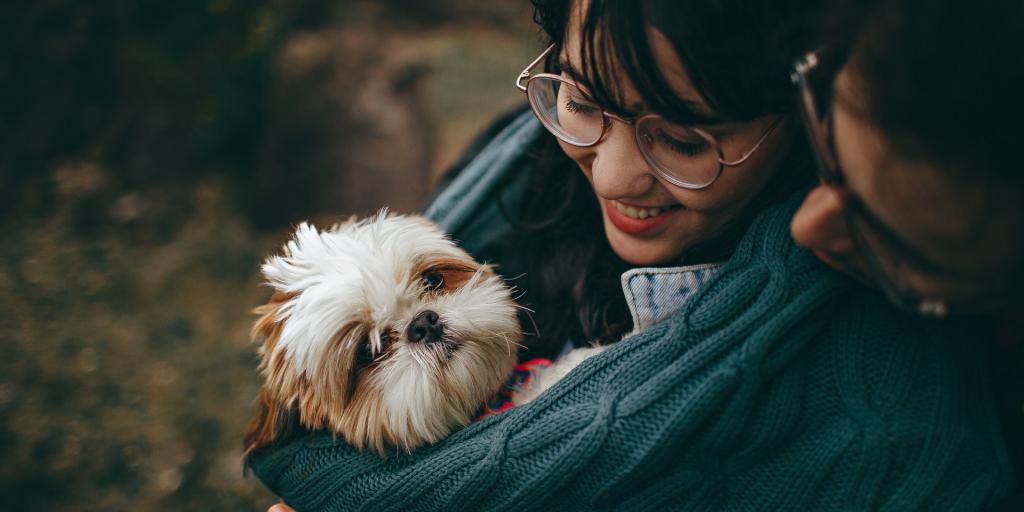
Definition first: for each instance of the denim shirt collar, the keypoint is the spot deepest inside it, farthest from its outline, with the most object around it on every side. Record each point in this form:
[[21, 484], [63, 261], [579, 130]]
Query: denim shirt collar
[[654, 294]]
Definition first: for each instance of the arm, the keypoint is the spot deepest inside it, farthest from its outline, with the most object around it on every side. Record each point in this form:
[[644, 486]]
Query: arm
[[765, 392]]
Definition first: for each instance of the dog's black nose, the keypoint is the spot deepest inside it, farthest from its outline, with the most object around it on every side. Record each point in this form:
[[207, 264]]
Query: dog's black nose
[[426, 327]]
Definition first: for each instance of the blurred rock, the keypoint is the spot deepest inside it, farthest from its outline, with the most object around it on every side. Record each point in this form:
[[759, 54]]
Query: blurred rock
[[346, 132], [151, 157]]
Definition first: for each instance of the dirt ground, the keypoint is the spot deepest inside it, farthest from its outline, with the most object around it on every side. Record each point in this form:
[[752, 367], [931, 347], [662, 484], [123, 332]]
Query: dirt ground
[[154, 156]]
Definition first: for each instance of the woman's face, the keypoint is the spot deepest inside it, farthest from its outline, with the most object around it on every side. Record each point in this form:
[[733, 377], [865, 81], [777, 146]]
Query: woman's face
[[941, 237], [627, 189]]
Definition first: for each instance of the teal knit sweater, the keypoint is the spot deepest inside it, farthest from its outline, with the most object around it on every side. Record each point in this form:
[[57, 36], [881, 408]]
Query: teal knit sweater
[[778, 386]]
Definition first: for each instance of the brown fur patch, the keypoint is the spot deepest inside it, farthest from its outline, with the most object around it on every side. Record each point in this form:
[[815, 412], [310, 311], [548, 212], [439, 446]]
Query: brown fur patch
[[273, 420], [271, 423], [342, 396], [454, 272]]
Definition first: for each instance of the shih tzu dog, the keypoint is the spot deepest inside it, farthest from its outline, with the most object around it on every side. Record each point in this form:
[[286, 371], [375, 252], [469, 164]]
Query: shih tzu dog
[[385, 332]]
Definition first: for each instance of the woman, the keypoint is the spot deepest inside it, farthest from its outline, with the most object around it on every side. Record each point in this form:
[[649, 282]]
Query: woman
[[765, 382], [925, 203]]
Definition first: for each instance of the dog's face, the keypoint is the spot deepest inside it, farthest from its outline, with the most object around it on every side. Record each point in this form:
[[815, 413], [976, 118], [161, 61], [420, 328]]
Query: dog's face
[[383, 331]]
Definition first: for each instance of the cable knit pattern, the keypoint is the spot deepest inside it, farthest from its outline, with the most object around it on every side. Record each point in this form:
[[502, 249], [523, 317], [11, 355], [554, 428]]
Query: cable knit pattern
[[778, 386]]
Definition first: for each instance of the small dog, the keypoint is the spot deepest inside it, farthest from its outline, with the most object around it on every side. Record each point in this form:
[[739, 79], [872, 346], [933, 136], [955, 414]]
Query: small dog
[[381, 330], [386, 332]]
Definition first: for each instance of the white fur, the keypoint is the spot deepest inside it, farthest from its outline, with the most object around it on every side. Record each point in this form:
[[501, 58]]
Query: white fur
[[551, 375], [342, 276], [363, 274]]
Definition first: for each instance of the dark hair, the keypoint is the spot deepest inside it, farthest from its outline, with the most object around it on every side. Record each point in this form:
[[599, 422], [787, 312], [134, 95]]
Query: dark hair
[[941, 80], [737, 54]]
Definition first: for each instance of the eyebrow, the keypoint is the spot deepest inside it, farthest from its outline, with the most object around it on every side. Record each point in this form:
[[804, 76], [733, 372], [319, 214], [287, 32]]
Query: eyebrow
[[693, 112]]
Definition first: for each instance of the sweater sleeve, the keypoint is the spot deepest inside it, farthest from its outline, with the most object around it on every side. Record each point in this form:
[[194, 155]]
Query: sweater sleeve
[[777, 387]]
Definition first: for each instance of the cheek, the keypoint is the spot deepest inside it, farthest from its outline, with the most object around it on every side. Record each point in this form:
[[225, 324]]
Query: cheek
[[748, 179], [737, 186], [583, 157], [733, 190]]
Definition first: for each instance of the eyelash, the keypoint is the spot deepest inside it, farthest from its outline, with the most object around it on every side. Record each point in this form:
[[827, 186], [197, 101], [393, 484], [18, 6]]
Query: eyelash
[[574, 107], [673, 144], [681, 147]]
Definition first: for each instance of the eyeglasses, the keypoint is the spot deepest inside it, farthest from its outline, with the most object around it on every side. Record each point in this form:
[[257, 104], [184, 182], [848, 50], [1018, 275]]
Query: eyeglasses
[[885, 257], [686, 157]]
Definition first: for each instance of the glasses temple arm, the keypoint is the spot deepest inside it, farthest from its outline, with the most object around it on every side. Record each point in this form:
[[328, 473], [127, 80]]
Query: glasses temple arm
[[747, 153], [526, 72]]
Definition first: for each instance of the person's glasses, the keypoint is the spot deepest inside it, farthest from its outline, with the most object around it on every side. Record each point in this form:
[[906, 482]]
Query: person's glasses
[[686, 157], [885, 257]]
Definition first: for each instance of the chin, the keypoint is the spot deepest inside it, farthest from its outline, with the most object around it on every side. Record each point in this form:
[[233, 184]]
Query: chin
[[382, 331], [642, 252]]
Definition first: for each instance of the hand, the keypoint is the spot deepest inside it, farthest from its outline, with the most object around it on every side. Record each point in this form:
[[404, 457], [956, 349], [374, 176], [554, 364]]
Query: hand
[[280, 507]]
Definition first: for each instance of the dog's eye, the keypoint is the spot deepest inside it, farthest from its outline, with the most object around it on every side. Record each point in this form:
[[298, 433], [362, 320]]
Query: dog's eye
[[365, 355], [433, 280]]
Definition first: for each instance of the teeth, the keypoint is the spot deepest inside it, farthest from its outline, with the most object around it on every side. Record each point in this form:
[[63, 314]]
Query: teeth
[[637, 213]]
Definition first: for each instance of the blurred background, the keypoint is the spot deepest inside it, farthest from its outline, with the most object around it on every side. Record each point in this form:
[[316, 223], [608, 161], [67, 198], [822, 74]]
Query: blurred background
[[151, 154]]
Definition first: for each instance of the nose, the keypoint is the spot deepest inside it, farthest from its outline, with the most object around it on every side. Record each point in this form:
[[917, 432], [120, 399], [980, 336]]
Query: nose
[[619, 169], [819, 224], [426, 327]]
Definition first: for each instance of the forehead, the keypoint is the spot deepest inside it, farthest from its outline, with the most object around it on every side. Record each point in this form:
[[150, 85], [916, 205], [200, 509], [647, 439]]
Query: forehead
[[615, 76]]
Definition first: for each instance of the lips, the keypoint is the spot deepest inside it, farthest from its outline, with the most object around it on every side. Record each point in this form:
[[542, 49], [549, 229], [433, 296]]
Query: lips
[[627, 217]]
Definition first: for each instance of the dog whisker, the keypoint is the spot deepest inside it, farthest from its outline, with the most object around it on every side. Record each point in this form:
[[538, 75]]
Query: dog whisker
[[363, 340]]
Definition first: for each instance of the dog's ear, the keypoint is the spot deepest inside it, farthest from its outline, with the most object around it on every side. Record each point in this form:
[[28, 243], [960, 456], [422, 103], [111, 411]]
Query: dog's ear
[[273, 422], [268, 327]]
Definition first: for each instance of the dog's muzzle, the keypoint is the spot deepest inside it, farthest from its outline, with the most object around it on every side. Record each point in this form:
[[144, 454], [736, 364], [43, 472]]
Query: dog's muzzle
[[426, 327]]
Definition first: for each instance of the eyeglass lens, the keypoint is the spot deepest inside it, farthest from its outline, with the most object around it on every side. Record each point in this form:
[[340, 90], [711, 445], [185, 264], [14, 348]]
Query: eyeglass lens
[[683, 155]]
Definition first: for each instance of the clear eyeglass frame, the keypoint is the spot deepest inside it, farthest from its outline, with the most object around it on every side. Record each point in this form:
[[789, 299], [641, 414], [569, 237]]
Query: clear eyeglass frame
[[644, 139], [870, 237]]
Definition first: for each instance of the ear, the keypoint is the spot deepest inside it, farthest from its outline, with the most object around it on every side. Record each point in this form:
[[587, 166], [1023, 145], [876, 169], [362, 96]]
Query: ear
[[268, 327], [272, 422]]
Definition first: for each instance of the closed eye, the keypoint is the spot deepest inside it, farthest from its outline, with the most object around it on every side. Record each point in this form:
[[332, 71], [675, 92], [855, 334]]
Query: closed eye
[[574, 107], [682, 147]]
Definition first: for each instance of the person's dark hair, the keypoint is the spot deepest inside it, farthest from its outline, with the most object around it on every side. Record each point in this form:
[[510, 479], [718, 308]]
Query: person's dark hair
[[941, 80], [941, 83], [737, 54]]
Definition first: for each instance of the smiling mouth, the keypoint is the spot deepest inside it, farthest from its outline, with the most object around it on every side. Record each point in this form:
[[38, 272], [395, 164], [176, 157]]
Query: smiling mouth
[[642, 212]]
